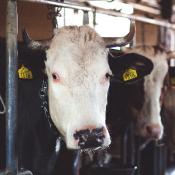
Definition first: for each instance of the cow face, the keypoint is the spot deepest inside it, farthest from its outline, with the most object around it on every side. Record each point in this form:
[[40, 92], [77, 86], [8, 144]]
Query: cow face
[[78, 81], [78, 85], [148, 106]]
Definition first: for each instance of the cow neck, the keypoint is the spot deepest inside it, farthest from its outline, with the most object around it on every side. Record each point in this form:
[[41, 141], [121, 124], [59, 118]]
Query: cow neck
[[45, 107]]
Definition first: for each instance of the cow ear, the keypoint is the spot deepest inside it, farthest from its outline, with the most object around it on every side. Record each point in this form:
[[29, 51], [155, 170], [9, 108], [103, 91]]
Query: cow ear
[[130, 67]]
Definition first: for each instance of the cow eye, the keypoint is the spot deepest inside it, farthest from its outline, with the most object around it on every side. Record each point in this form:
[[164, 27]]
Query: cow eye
[[105, 78], [108, 76], [55, 77]]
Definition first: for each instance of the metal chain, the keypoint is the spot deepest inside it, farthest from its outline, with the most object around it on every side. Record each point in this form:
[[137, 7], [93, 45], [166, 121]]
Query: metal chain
[[43, 94], [44, 98], [53, 12]]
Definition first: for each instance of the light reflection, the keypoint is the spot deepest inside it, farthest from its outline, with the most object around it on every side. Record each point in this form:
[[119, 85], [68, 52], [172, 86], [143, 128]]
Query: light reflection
[[109, 26], [114, 5]]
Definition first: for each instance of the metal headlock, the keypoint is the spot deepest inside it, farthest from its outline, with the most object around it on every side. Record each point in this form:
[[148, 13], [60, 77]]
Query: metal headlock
[[11, 91], [11, 87], [111, 12]]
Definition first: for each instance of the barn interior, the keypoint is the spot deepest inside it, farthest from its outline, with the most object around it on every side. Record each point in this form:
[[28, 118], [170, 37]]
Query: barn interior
[[129, 153]]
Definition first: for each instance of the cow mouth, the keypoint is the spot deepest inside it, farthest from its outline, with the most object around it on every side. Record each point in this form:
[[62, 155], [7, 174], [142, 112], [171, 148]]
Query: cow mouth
[[90, 139], [93, 149]]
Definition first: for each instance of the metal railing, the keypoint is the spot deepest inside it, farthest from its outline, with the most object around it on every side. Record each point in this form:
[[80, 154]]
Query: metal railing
[[110, 12]]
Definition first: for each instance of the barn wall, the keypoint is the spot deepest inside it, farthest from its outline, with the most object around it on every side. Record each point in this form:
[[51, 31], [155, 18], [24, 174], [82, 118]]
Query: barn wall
[[150, 34], [32, 16]]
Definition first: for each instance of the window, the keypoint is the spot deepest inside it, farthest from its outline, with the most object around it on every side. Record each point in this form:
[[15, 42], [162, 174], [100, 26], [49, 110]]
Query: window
[[105, 25]]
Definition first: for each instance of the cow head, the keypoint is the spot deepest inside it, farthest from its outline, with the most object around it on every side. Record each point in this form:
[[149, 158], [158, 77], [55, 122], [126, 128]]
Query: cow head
[[147, 102], [78, 81]]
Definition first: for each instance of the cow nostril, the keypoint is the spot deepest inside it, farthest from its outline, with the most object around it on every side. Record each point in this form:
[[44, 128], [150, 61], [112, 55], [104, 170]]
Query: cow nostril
[[90, 138], [90, 143], [153, 131]]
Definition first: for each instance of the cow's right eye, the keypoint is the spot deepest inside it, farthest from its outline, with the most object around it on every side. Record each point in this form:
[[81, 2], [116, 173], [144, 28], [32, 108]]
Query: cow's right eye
[[108, 76], [55, 77]]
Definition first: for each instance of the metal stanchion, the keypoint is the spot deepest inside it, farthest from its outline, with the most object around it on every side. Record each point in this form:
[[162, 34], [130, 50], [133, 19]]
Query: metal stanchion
[[11, 87]]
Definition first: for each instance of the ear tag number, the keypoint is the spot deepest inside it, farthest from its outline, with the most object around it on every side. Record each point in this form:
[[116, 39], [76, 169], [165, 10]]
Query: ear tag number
[[129, 74], [25, 73]]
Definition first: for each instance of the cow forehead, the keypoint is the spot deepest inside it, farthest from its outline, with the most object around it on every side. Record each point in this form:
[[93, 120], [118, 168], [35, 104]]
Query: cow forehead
[[79, 35], [79, 46]]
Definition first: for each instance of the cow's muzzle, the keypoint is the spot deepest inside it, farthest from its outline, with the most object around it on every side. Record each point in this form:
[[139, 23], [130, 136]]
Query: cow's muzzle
[[90, 138]]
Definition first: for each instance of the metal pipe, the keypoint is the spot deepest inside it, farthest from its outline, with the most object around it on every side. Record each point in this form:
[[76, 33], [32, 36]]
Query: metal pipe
[[11, 87], [107, 12], [60, 4], [143, 8], [76, 162]]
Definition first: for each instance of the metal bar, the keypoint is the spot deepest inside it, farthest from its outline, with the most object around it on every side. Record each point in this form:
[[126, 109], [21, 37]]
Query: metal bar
[[107, 12], [76, 162], [144, 8], [11, 87], [60, 4]]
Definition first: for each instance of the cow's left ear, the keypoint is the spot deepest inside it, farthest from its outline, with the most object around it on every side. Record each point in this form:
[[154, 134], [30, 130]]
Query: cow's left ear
[[130, 67]]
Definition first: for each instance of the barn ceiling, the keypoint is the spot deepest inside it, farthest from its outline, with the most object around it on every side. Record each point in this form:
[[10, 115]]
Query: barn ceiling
[[150, 6]]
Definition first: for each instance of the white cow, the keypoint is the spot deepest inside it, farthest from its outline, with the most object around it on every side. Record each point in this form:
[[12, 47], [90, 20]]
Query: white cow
[[78, 86], [78, 81], [148, 118]]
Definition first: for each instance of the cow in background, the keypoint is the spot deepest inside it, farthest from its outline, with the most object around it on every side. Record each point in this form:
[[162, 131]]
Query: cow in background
[[142, 101]]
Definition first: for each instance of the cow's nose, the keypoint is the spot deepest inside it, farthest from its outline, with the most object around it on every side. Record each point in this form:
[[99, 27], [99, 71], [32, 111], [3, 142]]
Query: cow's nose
[[154, 131], [90, 138]]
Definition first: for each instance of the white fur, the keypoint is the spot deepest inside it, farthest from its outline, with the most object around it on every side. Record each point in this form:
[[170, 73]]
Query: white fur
[[79, 100], [150, 113]]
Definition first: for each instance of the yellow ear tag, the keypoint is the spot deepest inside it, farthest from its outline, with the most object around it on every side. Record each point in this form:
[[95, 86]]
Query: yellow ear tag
[[129, 74], [25, 73]]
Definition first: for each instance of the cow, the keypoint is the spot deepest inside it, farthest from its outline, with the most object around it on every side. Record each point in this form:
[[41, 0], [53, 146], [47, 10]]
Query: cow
[[141, 102]]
